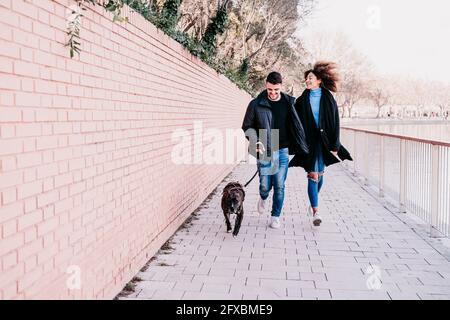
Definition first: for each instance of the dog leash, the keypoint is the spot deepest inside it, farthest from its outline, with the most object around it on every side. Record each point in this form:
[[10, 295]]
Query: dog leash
[[248, 182]]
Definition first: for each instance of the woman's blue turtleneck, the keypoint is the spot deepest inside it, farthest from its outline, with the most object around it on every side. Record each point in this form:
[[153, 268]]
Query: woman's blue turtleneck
[[314, 99]]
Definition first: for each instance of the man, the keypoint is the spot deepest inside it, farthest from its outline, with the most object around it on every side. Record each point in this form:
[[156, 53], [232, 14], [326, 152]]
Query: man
[[274, 131]]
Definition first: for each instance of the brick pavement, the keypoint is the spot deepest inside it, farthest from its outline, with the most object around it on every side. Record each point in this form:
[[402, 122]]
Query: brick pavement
[[361, 250]]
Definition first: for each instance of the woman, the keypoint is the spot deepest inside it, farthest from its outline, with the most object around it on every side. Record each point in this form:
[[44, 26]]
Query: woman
[[319, 116]]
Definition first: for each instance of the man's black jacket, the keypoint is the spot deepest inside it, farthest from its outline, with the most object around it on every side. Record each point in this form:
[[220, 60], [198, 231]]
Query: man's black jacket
[[259, 116]]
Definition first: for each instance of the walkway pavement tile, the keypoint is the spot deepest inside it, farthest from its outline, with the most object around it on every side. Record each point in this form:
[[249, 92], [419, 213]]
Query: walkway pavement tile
[[361, 251]]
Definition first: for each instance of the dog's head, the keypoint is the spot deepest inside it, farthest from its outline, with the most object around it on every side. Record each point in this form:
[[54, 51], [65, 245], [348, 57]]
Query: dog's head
[[234, 198], [235, 201]]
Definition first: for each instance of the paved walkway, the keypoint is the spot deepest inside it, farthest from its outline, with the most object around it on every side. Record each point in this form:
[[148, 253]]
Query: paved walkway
[[361, 250]]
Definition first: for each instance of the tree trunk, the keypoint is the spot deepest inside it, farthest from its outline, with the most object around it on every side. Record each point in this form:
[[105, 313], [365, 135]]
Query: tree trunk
[[189, 26], [343, 111], [379, 112]]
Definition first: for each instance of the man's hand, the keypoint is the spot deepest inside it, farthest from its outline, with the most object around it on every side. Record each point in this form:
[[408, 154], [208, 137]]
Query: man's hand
[[260, 148]]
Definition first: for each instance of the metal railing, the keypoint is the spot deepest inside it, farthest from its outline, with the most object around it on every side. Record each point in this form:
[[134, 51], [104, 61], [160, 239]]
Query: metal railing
[[414, 171]]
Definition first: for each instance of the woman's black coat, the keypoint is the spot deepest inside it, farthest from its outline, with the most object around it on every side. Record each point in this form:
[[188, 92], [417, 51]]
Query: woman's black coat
[[326, 135]]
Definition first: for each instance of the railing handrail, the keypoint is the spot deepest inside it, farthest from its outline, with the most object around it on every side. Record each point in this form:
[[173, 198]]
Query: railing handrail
[[433, 142]]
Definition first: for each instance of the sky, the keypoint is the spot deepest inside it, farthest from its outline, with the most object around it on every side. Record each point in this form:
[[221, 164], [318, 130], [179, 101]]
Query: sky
[[400, 37]]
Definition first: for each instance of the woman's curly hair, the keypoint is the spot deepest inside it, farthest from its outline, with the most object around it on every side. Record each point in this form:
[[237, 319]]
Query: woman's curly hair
[[327, 72]]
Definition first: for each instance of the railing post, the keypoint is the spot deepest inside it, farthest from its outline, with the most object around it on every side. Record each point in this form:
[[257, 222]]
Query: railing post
[[402, 175], [354, 152], [344, 135], [381, 187], [435, 192], [366, 158]]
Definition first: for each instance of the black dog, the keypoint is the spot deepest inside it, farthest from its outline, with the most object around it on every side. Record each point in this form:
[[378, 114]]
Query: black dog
[[233, 203]]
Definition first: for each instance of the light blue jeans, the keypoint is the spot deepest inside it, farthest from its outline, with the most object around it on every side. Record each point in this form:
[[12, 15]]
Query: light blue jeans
[[313, 185], [273, 173]]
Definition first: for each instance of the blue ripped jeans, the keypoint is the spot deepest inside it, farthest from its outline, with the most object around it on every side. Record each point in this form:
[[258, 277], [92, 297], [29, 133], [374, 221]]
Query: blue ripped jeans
[[273, 173], [315, 186]]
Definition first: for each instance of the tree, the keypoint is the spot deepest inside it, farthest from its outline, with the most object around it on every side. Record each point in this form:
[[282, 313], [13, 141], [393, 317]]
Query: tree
[[263, 32], [216, 27], [243, 39], [378, 94], [169, 15], [195, 16], [441, 98], [259, 36]]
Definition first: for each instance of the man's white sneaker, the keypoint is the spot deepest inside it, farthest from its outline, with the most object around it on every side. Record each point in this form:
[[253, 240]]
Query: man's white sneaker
[[310, 211], [262, 205], [275, 222], [317, 220]]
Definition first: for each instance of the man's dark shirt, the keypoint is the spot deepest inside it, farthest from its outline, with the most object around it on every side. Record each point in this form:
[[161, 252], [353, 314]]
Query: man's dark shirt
[[280, 111]]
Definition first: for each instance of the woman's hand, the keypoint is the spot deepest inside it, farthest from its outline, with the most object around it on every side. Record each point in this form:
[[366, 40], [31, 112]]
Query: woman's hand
[[335, 154]]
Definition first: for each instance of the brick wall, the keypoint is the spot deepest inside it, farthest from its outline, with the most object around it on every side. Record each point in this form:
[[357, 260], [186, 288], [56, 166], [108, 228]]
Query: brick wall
[[89, 190]]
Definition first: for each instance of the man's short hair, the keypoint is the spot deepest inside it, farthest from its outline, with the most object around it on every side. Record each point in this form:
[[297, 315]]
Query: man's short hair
[[274, 78]]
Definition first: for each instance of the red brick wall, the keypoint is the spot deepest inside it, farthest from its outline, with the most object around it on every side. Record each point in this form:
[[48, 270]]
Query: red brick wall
[[86, 176]]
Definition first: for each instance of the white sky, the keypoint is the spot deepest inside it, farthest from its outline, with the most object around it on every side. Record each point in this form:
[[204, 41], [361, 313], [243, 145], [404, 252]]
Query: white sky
[[398, 36]]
